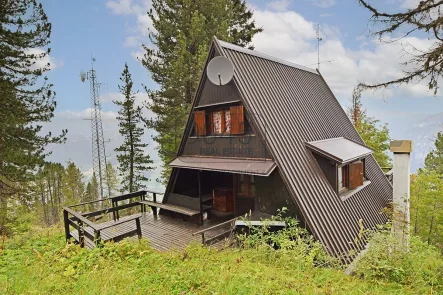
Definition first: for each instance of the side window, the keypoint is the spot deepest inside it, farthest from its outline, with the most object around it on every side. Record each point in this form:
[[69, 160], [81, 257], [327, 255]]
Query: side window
[[351, 176]]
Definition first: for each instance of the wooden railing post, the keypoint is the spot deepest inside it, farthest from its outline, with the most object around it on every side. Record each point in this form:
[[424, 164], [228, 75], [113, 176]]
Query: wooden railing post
[[203, 238], [154, 198], [81, 234], [114, 216], [139, 229], [97, 238], [66, 221], [200, 198]]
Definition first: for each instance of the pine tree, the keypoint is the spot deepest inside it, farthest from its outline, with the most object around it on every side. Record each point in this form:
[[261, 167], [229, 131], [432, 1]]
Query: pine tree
[[26, 97], [374, 135], [131, 154], [183, 33], [111, 173], [73, 186], [434, 160]]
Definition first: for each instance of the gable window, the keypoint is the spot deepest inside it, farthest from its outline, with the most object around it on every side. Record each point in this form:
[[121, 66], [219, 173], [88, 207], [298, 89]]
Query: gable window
[[219, 122]]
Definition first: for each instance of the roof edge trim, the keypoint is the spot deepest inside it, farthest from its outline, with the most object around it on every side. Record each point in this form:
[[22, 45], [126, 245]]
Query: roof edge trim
[[263, 55]]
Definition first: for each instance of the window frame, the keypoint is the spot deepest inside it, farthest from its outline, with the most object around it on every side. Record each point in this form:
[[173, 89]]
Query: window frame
[[343, 177], [248, 181], [239, 115]]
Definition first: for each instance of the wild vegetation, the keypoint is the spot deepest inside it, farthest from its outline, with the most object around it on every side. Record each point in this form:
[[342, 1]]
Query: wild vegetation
[[288, 262]]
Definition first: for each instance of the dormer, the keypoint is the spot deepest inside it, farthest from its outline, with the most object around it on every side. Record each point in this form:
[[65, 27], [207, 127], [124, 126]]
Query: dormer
[[343, 161]]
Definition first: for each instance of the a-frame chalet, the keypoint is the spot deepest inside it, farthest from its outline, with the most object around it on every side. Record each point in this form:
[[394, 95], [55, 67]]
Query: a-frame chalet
[[275, 136]]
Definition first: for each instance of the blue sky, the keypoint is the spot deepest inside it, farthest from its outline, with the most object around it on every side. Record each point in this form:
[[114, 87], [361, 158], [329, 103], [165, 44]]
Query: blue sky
[[113, 30]]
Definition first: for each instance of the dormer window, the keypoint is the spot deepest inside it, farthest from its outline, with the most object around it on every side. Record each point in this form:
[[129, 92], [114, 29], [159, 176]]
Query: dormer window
[[343, 162], [351, 176]]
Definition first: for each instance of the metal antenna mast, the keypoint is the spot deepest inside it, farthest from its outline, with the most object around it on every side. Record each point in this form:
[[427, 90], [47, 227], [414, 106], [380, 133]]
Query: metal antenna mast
[[318, 46], [98, 144]]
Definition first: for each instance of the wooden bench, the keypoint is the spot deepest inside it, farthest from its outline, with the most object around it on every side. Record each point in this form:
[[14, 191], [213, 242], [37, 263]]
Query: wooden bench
[[185, 205]]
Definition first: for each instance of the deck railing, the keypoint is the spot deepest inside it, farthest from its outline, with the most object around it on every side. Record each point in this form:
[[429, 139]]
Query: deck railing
[[80, 221], [217, 237]]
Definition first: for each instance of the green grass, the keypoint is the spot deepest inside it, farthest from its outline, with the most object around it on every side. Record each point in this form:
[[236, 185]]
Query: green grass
[[43, 264]]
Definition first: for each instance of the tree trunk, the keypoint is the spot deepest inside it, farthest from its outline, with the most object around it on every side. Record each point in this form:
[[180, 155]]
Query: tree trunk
[[432, 222]]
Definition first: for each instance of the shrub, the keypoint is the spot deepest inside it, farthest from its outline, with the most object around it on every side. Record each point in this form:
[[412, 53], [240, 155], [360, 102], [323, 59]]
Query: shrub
[[383, 262]]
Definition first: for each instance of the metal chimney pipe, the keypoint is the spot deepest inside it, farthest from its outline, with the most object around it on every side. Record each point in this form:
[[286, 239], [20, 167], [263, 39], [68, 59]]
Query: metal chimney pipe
[[401, 190]]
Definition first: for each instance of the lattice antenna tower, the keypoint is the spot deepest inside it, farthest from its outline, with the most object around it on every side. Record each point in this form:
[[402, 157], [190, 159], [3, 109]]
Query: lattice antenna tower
[[98, 144]]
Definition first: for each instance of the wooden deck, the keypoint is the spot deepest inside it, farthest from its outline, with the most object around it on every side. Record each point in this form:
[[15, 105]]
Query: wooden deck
[[163, 232]]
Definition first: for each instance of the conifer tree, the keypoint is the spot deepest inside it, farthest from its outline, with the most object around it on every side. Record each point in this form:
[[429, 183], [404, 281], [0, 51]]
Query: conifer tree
[[374, 135], [73, 186], [434, 160], [180, 42], [111, 173], [26, 97], [132, 157]]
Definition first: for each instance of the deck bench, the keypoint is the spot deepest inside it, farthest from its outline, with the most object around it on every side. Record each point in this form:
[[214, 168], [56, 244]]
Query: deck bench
[[182, 204]]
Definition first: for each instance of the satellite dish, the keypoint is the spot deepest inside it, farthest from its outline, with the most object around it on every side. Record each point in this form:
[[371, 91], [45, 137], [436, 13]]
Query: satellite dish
[[83, 76], [220, 70]]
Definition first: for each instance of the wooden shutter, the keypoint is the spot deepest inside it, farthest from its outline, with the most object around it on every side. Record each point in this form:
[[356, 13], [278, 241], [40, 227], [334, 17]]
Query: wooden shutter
[[237, 120], [200, 123], [355, 175]]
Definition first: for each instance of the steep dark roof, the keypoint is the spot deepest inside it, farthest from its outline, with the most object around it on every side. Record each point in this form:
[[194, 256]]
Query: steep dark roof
[[293, 105]]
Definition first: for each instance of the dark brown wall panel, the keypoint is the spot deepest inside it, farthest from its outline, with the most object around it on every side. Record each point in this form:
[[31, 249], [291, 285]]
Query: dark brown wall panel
[[226, 147]]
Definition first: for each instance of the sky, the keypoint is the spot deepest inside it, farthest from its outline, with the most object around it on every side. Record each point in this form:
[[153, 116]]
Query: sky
[[112, 31]]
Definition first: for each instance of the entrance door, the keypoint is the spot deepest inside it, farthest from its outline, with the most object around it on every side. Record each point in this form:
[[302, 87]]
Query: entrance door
[[244, 188]]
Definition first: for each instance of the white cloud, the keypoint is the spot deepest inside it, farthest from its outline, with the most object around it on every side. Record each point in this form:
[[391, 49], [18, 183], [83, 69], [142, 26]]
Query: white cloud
[[143, 26], [323, 3], [289, 36], [131, 41], [279, 5], [43, 62], [121, 6], [110, 97], [410, 3]]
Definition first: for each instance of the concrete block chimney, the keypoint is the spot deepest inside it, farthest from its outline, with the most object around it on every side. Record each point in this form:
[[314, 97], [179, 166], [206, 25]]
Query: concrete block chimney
[[401, 195]]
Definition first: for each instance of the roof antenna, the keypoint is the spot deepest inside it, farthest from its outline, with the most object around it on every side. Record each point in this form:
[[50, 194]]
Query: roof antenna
[[318, 46]]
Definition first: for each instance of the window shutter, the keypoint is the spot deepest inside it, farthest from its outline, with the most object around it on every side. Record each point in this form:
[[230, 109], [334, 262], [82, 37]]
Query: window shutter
[[200, 123], [237, 120], [355, 175]]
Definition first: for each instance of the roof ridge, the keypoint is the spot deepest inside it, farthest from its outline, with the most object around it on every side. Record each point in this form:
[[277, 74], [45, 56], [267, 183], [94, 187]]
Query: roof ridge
[[231, 46]]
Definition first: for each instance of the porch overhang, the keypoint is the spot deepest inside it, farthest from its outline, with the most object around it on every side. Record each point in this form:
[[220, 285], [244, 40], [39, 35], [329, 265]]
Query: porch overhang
[[339, 150], [239, 166]]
